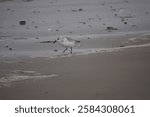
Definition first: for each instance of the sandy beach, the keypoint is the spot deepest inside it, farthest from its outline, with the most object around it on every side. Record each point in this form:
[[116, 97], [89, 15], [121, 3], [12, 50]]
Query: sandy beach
[[117, 75], [112, 60]]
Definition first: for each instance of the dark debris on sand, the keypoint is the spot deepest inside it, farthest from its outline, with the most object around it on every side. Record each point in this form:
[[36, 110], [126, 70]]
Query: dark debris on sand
[[76, 10], [23, 22], [55, 50], [109, 28]]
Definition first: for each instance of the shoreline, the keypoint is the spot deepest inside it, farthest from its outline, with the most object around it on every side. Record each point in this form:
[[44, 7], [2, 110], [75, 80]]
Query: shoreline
[[116, 75], [23, 49]]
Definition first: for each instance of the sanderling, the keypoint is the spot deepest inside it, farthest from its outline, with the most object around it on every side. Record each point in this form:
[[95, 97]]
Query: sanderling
[[66, 42]]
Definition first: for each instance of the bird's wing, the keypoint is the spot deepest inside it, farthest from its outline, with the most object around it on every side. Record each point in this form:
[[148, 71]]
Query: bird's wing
[[70, 39]]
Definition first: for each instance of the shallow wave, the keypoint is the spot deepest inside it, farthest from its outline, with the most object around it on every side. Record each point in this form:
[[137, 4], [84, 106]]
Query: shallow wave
[[17, 76], [98, 50]]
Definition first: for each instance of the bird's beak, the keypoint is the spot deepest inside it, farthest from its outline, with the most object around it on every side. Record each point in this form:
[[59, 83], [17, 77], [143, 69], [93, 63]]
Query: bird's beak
[[54, 41]]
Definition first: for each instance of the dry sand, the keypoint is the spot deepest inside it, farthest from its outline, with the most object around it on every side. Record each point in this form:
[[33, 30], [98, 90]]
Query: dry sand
[[116, 75]]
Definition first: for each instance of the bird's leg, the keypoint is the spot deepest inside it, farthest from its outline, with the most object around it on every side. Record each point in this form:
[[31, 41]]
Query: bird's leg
[[71, 50], [65, 50]]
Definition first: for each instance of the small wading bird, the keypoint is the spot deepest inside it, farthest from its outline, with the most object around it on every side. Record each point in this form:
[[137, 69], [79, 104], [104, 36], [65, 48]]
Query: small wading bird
[[66, 42]]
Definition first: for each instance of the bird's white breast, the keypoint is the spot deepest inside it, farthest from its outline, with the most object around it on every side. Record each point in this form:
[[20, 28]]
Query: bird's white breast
[[65, 42]]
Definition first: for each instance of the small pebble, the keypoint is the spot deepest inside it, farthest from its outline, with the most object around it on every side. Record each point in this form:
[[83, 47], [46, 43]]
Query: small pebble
[[10, 49], [80, 9], [125, 22], [55, 50], [22, 22]]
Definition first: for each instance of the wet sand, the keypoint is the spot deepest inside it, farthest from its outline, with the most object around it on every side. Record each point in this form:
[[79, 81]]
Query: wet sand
[[116, 75]]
